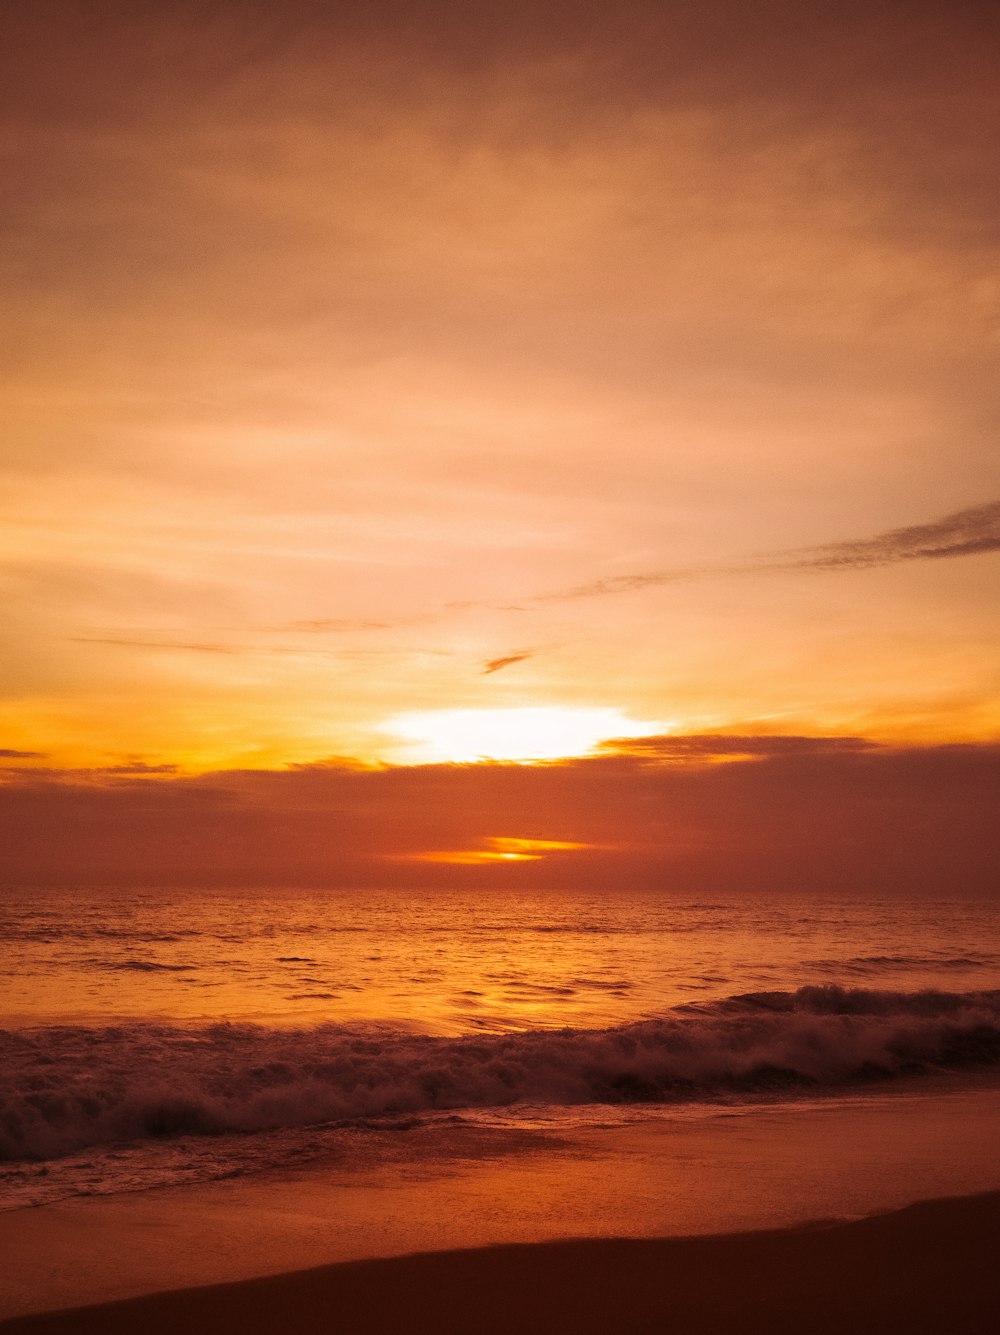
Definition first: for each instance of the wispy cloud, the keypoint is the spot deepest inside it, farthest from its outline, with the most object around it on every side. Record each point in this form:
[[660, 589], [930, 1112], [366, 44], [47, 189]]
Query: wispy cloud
[[964, 533], [6, 753], [189, 646], [335, 625], [135, 767], [508, 660], [717, 745], [262, 649], [969, 532]]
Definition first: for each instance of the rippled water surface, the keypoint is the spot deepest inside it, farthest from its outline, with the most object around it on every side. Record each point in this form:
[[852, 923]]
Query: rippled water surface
[[451, 963]]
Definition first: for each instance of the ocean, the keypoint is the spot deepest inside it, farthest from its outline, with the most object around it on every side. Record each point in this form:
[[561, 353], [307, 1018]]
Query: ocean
[[159, 1038]]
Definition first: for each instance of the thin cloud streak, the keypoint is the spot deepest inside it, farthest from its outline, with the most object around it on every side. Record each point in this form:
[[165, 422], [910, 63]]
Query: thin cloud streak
[[497, 664], [184, 646], [964, 533], [210, 647], [715, 746], [335, 625], [971, 532]]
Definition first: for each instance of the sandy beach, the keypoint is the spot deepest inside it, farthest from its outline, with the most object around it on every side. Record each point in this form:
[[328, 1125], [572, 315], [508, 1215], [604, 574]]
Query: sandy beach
[[928, 1268], [379, 1197]]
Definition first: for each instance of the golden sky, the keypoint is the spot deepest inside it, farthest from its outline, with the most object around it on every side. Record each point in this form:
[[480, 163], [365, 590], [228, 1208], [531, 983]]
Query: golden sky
[[372, 368]]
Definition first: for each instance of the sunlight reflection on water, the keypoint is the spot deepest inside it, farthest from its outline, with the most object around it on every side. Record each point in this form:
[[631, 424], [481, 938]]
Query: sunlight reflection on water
[[452, 962]]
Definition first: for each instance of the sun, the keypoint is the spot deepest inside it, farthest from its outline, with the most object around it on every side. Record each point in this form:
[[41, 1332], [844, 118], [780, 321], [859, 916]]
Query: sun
[[542, 732]]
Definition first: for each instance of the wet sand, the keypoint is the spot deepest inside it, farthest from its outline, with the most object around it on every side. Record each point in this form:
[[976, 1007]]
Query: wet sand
[[455, 1190], [931, 1267]]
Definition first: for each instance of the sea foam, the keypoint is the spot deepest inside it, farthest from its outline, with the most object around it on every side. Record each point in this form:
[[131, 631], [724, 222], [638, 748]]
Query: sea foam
[[65, 1088]]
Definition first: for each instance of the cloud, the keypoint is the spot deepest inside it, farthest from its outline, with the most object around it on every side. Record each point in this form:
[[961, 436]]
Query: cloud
[[135, 767], [971, 532], [964, 533], [500, 848], [711, 745], [803, 814], [92, 776], [335, 625], [496, 664], [6, 753], [186, 646], [220, 647], [628, 583]]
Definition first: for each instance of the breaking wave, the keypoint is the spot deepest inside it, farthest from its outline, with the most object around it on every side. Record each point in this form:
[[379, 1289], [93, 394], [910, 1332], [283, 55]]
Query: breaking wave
[[67, 1088]]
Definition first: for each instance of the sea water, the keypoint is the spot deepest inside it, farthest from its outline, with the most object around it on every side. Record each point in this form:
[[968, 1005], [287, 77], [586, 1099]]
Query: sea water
[[156, 1038]]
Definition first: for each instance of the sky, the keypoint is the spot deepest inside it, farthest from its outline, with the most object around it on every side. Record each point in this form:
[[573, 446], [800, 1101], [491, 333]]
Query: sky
[[396, 386]]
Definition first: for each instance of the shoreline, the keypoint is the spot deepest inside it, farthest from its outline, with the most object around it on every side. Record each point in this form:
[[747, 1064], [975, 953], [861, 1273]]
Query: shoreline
[[928, 1267], [450, 1189]]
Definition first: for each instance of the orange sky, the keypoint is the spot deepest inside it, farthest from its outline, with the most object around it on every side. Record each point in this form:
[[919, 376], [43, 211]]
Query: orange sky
[[375, 367]]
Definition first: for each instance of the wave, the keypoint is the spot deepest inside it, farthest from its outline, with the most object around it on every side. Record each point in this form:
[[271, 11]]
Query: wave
[[147, 966], [68, 1088], [876, 963]]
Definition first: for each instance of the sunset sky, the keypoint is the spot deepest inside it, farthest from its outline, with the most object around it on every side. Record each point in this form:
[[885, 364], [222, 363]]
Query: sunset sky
[[373, 368]]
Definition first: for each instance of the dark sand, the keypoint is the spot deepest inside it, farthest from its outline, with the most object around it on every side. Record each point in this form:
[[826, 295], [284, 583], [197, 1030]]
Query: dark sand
[[933, 1267]]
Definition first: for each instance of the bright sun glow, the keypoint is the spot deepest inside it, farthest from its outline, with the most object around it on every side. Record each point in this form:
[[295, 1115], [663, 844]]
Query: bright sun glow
[[500, 848], [534, 733]]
